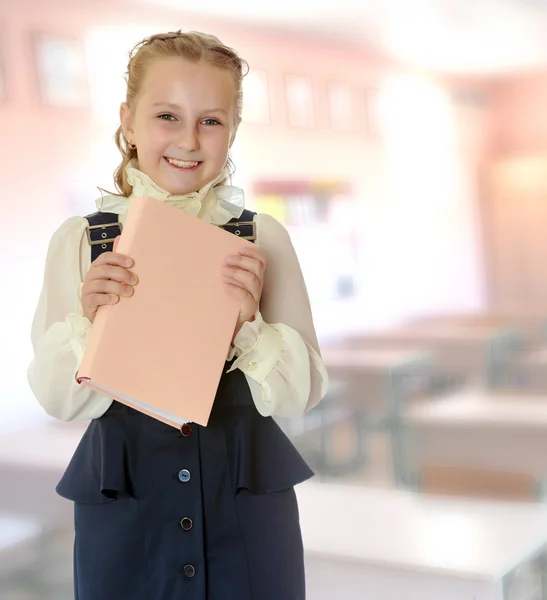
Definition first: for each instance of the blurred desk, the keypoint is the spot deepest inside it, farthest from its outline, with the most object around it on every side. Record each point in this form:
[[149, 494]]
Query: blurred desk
[[464, 352], [50, 446], [378, 379], [31, 463], [394, 545], [533, 327], [479, 429], [19, 545]]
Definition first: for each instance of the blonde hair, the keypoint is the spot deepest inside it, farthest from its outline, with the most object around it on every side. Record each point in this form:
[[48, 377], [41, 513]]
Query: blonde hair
[[194, 47]]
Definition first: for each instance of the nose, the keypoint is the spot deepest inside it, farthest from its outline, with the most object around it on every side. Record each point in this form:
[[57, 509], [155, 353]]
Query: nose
[[187, 138]]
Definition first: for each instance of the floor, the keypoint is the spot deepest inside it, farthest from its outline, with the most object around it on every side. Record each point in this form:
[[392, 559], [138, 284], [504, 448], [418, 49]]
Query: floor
[[43, 571], [35, 537], [36, 530]]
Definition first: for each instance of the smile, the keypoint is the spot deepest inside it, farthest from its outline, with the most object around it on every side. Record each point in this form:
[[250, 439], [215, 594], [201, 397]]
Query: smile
[[183, 165]]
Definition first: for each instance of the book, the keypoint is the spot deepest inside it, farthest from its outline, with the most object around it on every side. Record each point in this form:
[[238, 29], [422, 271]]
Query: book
[[162, 351]]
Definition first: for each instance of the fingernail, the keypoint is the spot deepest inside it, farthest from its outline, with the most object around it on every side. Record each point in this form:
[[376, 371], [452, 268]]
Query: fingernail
[[128, 262], [114, 299], [134, 280]]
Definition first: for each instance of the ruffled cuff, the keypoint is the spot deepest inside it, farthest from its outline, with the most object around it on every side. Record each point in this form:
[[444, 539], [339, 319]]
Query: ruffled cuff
[[78, 330], [231, 353], [258, 347]]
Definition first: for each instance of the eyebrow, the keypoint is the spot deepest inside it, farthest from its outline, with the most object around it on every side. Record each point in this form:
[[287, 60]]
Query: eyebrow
[[177, 107]]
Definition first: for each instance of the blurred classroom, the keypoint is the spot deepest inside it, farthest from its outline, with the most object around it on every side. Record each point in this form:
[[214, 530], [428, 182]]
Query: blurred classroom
[[403, 144]]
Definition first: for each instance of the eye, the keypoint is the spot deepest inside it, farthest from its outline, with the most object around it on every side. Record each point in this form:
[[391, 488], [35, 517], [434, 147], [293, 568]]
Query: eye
[[210, 122], [166, 117]]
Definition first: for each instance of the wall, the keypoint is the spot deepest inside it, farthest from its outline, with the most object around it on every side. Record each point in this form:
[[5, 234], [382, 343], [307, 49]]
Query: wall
[[518, 116], [513, 194]]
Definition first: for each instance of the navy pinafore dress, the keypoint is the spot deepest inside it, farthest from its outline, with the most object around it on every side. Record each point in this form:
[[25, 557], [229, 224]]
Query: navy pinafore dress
[[200, 513]]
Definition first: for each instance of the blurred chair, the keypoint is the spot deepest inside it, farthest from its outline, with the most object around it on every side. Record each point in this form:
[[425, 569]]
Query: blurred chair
[[368, 391], [478, 442]]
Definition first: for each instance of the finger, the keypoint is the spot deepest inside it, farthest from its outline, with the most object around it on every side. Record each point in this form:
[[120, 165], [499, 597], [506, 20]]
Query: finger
[[248, 278], [253, 289], [235, 283], [113, 258], [252, 251], [113, 272], [251, 286], [247, 263], [116, 242], [235, 290], [96, 300], [108, 286], [249, 271]]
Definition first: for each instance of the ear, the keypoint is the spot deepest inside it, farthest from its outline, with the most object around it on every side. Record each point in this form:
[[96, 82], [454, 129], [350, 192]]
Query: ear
[[126, 120]]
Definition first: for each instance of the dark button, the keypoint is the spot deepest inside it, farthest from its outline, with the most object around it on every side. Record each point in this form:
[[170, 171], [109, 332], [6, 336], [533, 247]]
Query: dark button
[[186, 523], [189, 571], [184, 475], [186, 430]]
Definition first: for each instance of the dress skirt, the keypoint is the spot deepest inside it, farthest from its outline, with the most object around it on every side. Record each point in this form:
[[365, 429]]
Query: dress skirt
[[200, 513]]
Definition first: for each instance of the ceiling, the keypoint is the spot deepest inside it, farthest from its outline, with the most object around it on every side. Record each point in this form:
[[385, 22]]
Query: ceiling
[[453, 36]]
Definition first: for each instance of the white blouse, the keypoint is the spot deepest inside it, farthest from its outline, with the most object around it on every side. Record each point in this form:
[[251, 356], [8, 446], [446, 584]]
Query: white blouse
[[278, 352]]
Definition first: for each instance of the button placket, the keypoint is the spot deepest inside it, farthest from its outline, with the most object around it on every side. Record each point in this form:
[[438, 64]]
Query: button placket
[[186, 523]]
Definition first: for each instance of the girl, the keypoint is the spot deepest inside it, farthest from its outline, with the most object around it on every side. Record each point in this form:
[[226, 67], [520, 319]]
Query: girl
[[200, 513]]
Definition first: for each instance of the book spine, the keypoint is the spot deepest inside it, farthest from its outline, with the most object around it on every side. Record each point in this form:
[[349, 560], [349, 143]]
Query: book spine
[[133, 219], [97, 336]]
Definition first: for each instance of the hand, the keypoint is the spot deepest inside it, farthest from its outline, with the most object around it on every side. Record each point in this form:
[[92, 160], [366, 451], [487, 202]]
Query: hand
[[244, 275], [108, 280]]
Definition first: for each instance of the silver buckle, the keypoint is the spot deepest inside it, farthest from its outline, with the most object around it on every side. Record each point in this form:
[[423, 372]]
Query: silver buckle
[[105, 239], [237, 232]]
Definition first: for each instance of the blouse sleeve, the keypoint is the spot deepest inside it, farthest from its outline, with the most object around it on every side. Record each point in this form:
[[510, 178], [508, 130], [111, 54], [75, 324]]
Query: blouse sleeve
[[59, 330], [278, 352]]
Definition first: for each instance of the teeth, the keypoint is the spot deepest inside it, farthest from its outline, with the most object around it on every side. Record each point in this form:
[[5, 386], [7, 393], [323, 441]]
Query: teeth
[[184, 164]]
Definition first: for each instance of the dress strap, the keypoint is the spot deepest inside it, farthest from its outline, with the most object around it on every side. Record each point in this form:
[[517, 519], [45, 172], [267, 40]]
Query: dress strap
[[102, 229], [244, 226]]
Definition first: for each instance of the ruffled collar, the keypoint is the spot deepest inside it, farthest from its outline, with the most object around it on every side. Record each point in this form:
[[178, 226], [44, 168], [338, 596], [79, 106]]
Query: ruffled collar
[[214, 203]]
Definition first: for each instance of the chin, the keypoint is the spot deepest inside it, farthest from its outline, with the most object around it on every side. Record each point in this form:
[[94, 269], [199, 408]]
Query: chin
[[178, 188], [181, 189]]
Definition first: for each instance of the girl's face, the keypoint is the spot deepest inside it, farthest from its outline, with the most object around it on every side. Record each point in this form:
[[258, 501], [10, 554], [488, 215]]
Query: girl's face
[[182, 122]]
